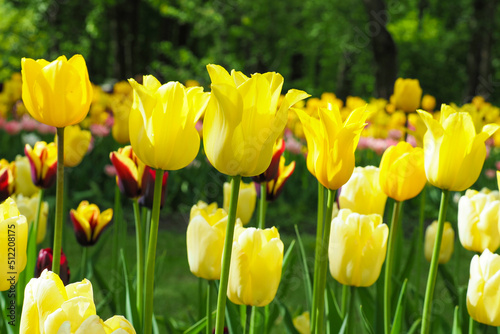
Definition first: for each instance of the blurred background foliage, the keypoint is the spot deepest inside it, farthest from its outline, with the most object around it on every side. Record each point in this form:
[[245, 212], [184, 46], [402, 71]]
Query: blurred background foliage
[[355, 47]]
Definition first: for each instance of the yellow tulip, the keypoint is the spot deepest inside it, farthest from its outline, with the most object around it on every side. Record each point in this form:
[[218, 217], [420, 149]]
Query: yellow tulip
[[428, 103], [407, 94], [162, 123], [483, 291], [14, 239], [454, 153], [256, 261], [120, 129], [76, 144], [50, 307], [402, 172], [478, 221], [331, 144], [57, 93], [203, 206], [447, 242], [89, 222], [362, 193], [358, 245], [205, 239], [247, 197], [242, 120], [27, 207], [23, 181], [7, 179], [302, 323]]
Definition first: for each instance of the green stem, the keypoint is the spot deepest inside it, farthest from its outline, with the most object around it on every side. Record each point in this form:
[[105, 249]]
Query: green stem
[[83, 264], [243, 318], [262, 205], [345, 300], [151, 257], [420, 237], [431, 280], [58, 226], [388, 266], [37, 218], [350, 321], [140, 260], [317, 255], [209, 308], [324, 260], [253, 320], [117, 225], [471, 325], [267, 313], [226, 254]]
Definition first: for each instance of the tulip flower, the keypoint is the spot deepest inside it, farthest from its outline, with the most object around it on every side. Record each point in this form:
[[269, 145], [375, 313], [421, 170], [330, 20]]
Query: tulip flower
[[205, 239], [14, 239], [76, 145], [51, 307], [407, 94], [256, 261], [483, 291], [120, 128], [44, 261], [402, 173], [148, 187], [275, 186], [362, 193], [162, 123], [445, 166], [302, 323], [57, 93], [89, 222], [202, 206], [7, 180], [43, 160], [242, 121], [27, 207], [331, 144], [23, 182], [272, 171], [478, 221], [129, 171], [447, 243], [247, 199], [428, 103], [357, 250]]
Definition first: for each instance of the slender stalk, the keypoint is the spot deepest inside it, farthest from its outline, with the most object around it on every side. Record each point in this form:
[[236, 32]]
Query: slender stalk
[[350, 321], [151, 257], [472, 326], [266, 318], [420, 236], [37, 218], [243, 318], [345, 300], [117, 225], [83, 264], [58, 226], [317, 255], [262, 205], [388, 266], [139, 239], [431, 280], [209, 308], [253, 320], [324, 260], [226, 254]]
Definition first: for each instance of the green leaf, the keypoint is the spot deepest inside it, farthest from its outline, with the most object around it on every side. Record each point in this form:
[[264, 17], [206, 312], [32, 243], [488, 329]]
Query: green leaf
[[333, 312], [343, 329], [288, 255], [287, 318], [307, 275], [456, 322], [414, 328], [199, 326], [130, 308], [366, 322], [398, 316]]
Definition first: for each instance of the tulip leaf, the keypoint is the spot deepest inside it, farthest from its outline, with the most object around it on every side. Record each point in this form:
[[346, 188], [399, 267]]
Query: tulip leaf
[[130, 309], [307, 276], [449, 283], [398, 316], [332, 310], [199, 326], [368, 302], [287, 319], [456, 322], [288, 255], [343, 329], [366, 322]]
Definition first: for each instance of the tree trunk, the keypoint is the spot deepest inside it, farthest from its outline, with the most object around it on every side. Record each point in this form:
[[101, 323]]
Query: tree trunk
[[479, 56], [384, 48]]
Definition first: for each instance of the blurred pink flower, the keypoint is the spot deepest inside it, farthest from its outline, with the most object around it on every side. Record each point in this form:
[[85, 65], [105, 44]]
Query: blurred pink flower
[[28, 123], [199, 126], [99, 130], [497, 165], [394, 134], [411, 140], [46, 129], [490, 173], [109, 121], [292, 145], [12, 127], [110, 170]]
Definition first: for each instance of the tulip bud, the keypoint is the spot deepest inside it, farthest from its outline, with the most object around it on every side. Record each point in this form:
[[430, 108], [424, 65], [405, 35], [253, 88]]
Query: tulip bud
[[76, 145], [358, 245], [447, 242], [13, 242], [362, 193], [27, 207], [202, 206], [428, 103], [7, 181], [483, 291], [205, 240], [272, 171], [89, 222], [43, 160], [407, 94], [478, 221], [302, 323], [275, 186], [44, 261], [256, 261], [247, 199], [24, 182]]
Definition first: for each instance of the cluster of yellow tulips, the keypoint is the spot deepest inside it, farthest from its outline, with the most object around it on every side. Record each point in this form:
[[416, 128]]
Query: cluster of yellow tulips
[[244, 119]]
